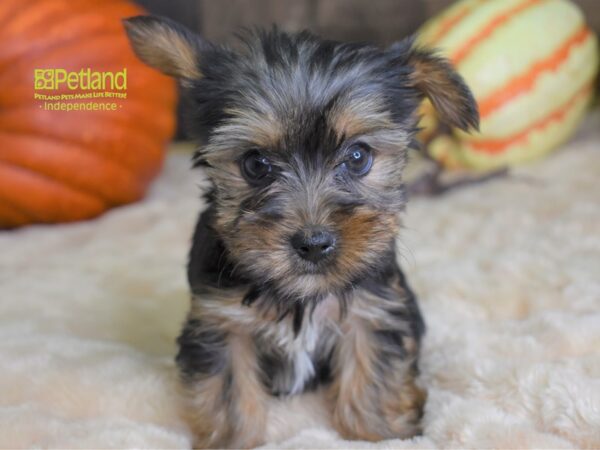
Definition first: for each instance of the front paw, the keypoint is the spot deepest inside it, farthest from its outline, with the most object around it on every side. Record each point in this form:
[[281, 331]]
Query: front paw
[[386, 416], [220, 431], [238, 442], [403, 411]]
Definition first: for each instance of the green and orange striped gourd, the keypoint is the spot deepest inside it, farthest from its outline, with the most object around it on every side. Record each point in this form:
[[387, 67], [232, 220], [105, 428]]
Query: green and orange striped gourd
[[531, 65]]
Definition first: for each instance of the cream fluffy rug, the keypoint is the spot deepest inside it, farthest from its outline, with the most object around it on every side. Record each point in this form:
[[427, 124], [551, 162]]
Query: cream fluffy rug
[[508, 276]]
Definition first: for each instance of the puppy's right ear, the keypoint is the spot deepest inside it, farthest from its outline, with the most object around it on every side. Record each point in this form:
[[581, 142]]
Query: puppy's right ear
[[435, 78], [166, 46]]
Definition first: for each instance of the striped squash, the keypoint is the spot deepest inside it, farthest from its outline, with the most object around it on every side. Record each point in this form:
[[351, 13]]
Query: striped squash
[[531, 65]]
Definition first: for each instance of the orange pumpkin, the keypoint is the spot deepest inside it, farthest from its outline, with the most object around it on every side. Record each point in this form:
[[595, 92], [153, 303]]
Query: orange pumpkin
[[58, 166]]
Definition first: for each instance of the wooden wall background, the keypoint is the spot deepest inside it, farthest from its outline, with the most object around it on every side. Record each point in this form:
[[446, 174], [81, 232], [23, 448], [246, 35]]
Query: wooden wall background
[[381, 21]]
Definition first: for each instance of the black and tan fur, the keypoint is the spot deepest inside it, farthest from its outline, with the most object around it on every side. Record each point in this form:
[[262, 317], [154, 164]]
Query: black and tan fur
[[265, 323]]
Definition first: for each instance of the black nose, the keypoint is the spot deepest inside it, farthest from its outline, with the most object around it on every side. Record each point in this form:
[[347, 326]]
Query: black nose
[[313, 244]]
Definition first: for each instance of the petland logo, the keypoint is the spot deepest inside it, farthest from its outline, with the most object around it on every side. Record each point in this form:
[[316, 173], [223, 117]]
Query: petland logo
[[83, 90], [85, 79]]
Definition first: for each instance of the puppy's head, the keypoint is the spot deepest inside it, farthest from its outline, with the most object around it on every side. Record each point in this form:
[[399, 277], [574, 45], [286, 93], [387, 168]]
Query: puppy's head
[[305, 141]]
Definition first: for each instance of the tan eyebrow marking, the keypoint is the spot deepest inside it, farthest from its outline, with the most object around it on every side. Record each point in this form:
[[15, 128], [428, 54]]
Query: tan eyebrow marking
[[360, 116], [262, 129]]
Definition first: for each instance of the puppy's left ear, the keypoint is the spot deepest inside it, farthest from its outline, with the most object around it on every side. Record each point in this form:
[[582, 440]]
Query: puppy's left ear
[[435, 78]]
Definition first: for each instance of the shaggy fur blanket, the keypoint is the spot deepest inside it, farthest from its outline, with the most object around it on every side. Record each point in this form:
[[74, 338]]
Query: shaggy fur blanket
[[508, 276]]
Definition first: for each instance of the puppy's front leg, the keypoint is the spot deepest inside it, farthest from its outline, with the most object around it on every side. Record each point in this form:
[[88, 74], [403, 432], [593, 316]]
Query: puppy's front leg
[[224, 397], [374, 392]]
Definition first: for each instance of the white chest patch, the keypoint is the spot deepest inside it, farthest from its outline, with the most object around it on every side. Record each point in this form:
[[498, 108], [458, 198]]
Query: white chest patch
[[302, 351], [302, 354]]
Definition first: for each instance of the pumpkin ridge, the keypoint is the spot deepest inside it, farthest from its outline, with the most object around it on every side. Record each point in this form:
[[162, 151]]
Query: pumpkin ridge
[[104, 27], [97, 149], [29, 53], [53, 184], [16, 215], [493, 146], [48, 15], [11, 13], [489, 28], [78, 189], [133, 184], [521, 84]]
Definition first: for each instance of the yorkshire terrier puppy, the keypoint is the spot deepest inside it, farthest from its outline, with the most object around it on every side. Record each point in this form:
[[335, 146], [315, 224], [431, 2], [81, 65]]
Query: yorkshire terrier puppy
[[293, 268]]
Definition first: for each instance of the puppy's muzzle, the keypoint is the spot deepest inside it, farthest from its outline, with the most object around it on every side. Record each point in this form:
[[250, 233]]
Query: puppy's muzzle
[[314, 244]]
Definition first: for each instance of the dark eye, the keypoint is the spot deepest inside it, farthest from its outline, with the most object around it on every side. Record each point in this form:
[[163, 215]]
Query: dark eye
[[359, 160], [256, 168]]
